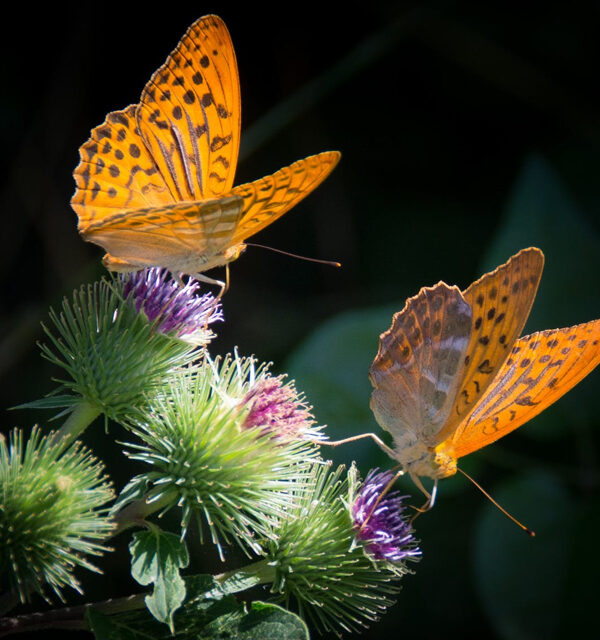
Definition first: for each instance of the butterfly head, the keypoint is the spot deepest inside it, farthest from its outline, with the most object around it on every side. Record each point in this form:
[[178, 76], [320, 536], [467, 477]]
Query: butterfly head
[[233, 253], [418, 459]]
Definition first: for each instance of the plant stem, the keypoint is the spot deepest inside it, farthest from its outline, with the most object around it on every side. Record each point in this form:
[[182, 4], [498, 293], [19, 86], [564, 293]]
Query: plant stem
[[249, 576], [68, 617], [135, 513], [81, 417], [74, 617]]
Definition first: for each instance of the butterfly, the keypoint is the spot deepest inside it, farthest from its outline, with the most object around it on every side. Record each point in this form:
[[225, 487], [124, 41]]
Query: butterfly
[[154, 185], [452, 375]]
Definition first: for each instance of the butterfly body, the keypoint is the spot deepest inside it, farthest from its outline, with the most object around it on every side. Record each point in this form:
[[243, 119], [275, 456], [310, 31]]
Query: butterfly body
[[452, 375], [154, 185]]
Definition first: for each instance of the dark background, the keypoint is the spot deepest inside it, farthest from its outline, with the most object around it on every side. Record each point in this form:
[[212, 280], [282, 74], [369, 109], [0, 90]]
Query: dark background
[[467, 132]]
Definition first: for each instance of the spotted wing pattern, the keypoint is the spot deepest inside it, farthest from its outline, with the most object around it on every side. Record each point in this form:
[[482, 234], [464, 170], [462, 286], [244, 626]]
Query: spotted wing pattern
[[415, 373], [500, 302], [149, 176], [267, 199], [190, 112], [541, 368], [115, 172]]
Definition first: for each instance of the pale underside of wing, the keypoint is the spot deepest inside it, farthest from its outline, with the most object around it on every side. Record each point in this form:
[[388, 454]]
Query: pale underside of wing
[[183, 237], [116, 172], [541, 368], [414, 374], [190, 113], [269, 198], [500, 301]]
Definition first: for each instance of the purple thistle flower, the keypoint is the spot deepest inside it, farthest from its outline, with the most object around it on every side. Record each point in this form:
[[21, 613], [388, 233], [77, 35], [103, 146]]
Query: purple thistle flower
[[381, 524], [278, 409], [174, 308]]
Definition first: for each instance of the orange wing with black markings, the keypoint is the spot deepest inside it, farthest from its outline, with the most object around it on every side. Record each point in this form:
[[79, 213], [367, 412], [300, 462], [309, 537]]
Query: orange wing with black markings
[[189, 114], [439, 409], [542, 367], [500, 302], [269, 198], [154, 185]]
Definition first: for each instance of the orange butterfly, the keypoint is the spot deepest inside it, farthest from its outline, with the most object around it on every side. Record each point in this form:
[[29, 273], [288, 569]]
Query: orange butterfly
[[452, 376], [154, 185]]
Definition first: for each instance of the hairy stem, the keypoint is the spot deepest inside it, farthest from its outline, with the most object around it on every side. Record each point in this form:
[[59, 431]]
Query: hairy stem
[[81, 417], [68, 617]]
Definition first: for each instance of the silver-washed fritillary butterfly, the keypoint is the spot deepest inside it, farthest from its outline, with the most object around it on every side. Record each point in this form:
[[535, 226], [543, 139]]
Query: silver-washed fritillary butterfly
[[154, 185], [451, 374]]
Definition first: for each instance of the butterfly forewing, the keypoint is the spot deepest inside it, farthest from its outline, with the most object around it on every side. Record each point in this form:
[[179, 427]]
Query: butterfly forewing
[[540, 369], [189, 113], [500, 302], [116, 172], [176, 236], [267, 199], [415, 372]]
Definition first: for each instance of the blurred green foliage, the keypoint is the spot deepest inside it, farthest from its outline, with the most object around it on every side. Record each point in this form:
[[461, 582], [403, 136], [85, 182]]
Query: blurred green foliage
[[468, 131]]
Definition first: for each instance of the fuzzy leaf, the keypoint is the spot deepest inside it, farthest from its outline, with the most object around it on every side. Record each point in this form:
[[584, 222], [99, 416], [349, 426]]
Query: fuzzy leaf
[[220, 620], [262, 622], [156, 557]]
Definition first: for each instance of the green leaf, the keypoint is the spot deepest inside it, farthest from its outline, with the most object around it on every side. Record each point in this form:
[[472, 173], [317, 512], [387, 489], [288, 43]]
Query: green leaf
[[223, 619], [262, 622], [519, 579], [51, 402], [156, 557], [103, 627]]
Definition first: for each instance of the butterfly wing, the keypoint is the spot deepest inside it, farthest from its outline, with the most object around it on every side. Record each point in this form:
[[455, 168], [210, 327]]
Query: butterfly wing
[[541, 368], [116, 172], [180, 237], [500, 303], [190, 112], [269, 198], [415, 373]]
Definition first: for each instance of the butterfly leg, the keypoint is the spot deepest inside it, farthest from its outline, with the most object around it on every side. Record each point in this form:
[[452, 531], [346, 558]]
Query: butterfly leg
[[376, 439], [224, 285], [430, 497]]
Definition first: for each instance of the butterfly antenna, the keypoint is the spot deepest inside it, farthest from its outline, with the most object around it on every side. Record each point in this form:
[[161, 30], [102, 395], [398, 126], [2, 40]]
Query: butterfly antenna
[[331, 263], [388, 486], [528, 531]]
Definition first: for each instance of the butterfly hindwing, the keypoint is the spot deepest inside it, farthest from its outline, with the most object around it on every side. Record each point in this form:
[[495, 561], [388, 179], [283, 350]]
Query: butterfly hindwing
[[190, 113], [415, 372], [540, 369], [169, 235]]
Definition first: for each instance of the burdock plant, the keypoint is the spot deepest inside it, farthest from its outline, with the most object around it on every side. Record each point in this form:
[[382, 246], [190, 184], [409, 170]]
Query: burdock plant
[[222, 442]]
